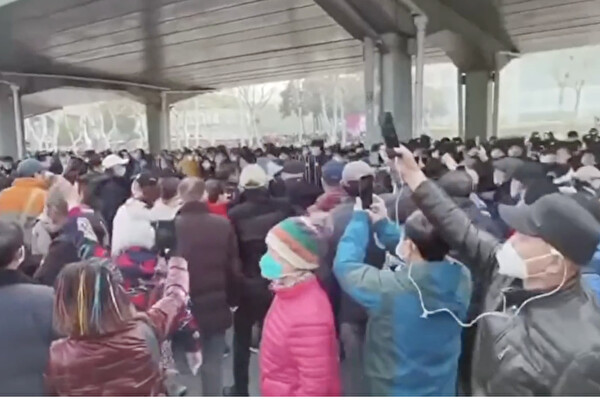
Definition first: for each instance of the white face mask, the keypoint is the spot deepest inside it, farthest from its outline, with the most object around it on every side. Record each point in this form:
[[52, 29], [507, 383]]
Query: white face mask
[[316, 151], [119, 170], [511, 264], [206, 165]]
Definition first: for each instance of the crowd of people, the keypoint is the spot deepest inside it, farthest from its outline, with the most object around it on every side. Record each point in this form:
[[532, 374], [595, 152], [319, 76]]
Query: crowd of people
[[444, 267]]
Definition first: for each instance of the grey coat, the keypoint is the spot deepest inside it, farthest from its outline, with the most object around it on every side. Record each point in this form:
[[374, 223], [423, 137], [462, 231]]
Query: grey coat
[[25, 334]]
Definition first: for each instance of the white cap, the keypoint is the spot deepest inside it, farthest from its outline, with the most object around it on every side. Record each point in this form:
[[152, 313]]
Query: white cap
[[253, 176], [113, 160]]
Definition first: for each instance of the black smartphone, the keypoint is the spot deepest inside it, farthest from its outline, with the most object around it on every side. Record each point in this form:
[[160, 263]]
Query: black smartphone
[[390, 138], [166, 239], [365, 191]]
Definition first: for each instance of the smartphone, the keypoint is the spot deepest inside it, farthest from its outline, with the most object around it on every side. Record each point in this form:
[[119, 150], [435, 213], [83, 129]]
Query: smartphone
[[390, 138], [365, 191]]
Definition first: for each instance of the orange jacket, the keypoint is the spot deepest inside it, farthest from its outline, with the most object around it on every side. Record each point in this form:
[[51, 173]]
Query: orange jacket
[[26, 197]]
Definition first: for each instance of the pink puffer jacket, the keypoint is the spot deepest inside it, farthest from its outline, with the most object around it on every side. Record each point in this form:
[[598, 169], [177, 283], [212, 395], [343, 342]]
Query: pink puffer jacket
[[299, 351]]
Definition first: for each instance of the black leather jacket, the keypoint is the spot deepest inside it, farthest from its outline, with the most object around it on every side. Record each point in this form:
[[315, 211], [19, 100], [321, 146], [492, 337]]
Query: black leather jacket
[[552, 347]]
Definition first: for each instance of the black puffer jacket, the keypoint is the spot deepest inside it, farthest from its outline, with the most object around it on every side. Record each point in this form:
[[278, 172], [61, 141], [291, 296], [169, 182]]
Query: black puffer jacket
[[252, 219], [552, 348]]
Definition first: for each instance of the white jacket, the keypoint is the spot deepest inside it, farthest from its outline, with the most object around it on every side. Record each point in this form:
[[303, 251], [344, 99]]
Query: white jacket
[[132, 227]]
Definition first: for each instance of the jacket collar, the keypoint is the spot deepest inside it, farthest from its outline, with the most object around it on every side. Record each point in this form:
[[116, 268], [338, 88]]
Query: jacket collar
[[194, 207], [30, 182], [297, 289], [516, 295], [255, 195], [13, 277]]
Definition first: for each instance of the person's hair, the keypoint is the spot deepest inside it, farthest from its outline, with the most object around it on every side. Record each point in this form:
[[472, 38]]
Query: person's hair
[[168, 187], [11, 240], [214, 189], [56, 200], [420, 231], [191, 189], [89, 301], [76, 167]]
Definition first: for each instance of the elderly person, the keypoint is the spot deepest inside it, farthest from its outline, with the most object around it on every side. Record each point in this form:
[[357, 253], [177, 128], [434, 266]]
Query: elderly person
[[541, 339], [299, 352]]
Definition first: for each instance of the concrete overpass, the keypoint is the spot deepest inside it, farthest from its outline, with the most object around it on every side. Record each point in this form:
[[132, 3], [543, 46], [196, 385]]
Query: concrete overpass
[[161, 51]]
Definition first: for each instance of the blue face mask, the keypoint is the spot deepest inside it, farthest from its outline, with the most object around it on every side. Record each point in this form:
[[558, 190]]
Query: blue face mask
[[269, 268]]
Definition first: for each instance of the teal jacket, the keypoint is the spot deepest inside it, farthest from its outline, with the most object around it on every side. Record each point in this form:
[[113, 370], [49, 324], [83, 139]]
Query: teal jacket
[[405, 354]]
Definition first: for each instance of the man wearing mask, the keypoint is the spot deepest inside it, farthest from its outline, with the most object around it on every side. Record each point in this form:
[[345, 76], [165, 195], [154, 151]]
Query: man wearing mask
[[351, 317], [252, 219], [26, 330], [113, 189], [540, 336]]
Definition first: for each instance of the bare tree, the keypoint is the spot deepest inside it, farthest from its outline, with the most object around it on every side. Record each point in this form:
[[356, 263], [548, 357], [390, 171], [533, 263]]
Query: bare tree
[[254, 98]]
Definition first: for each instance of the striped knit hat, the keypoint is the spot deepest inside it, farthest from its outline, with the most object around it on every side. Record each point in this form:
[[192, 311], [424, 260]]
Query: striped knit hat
[[296, 240]]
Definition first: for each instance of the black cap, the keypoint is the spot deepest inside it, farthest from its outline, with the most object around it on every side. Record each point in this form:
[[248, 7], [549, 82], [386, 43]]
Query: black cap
[[561, 222], [293, 167], [146, 179], [539, 189], [529, 171]]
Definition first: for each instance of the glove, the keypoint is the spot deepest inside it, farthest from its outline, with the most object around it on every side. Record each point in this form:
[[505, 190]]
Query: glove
[[378, 210]]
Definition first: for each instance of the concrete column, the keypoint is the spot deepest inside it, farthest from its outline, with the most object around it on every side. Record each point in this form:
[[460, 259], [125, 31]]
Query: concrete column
[[369, 56], [157, 117], [9, 143], [461, 104], [477, 105], [397, 84]]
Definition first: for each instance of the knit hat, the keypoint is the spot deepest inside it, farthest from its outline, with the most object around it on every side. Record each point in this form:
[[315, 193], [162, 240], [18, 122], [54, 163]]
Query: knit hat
[[29, 167], [296, 240], [253, 177]]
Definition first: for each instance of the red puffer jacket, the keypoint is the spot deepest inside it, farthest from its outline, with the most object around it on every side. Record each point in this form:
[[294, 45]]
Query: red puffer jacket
[[298, 354], [122, 363]]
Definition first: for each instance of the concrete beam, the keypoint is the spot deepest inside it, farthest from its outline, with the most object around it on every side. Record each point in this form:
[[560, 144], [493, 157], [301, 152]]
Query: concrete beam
[[9, 144], [477, 105], [397, 84], [481, 43]]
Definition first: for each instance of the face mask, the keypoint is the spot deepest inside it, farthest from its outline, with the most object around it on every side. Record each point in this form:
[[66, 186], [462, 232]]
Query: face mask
[[206, 165], [316, 151], [234, 158], [511, 264], [64, 160], [119, 170], [270, 268]]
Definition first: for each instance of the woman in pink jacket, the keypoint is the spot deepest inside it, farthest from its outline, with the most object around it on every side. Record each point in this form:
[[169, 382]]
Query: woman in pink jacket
[[298, 354]]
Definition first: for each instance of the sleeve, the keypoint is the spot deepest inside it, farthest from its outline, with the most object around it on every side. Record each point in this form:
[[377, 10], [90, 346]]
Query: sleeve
[[164, 314], [388, 233], [60, 254], [364, 283], [476, 246], [309, 347], [580, 378], [234, 271]]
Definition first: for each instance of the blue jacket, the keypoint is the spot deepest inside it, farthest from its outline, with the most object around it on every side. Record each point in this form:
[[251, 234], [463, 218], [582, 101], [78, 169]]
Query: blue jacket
[[591, 274], [405, 354]]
